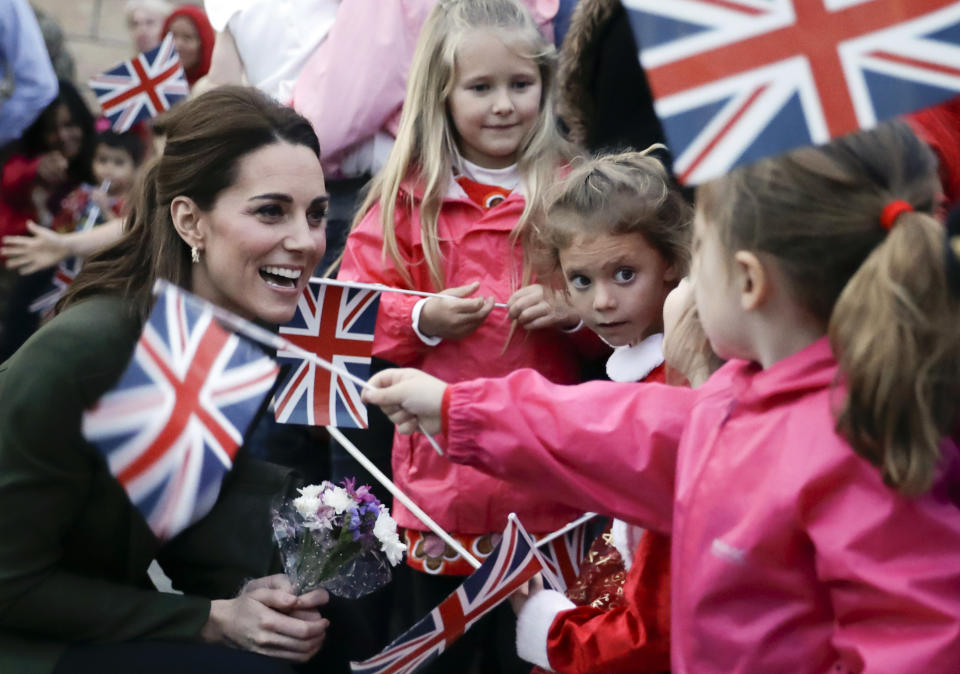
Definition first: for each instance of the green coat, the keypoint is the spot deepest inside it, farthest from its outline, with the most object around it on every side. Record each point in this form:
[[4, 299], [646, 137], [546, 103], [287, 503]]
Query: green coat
[[73, 550]]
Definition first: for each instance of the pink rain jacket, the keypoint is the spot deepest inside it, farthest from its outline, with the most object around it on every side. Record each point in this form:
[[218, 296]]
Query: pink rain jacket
[[476, 247], [789, 552]]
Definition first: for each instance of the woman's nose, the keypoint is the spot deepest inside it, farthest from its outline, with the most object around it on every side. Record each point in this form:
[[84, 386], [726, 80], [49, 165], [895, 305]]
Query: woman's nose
[[302, 237]]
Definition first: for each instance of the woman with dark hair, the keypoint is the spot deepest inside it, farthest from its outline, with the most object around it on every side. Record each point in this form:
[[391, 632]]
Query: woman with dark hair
[[233, 211], [54, 156]]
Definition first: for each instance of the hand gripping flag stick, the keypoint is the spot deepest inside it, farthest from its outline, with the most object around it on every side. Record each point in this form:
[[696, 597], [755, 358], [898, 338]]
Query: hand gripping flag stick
[[383, 288], [275, 341]]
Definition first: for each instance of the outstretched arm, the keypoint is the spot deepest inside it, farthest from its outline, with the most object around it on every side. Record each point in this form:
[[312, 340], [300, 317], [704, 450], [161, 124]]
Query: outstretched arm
[[44, 248], [600, 446]]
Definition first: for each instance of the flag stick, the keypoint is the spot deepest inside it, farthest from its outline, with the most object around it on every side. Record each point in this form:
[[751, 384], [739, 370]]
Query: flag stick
[[403, 498], [565, 528], [382, 288], [275, 341], [95, 209]]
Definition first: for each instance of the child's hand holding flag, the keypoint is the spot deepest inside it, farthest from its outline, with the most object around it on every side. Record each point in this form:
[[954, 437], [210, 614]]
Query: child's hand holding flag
[[408, 397]]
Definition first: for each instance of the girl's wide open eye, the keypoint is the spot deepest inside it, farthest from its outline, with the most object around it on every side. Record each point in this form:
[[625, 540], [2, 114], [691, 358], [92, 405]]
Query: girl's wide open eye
[[624, 275], [579, 281]]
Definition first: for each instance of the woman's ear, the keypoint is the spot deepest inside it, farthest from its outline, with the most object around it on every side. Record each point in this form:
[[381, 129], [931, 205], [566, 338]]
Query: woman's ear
[[185, 215], [753, 278]]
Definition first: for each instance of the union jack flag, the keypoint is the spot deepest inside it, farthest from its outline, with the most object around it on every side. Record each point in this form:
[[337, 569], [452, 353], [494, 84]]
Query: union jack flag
[[66, 271], [736, 80], [562, 556], [142, 87], [337, 324], [509, 566], [170, 428], [88, 214]]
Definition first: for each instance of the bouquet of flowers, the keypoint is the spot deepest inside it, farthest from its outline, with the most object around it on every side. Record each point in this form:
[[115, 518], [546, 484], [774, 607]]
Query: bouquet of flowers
[[339, 537]]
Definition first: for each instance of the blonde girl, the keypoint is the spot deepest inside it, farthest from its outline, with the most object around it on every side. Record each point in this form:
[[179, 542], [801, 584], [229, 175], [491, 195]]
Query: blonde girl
[[809, 485], [454, 211]]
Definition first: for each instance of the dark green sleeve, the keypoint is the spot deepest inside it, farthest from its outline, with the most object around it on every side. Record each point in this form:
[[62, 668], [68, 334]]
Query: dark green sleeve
[[49, 475]]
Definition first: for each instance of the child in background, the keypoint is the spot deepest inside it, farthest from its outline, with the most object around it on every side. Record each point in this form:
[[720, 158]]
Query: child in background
[[810, 485], [616, 234], [452, 211], [116, 158], [52, 158], [193, 38]]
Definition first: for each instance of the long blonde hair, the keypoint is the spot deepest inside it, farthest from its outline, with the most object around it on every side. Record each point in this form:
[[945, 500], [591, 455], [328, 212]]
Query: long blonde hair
[[426, 141], [882, 297]]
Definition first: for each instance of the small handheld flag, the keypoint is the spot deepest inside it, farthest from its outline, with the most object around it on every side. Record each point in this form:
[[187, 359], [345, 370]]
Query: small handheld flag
[[337, 324], [509, 566], [142, 87], [737, 80], [562, 556], [89, 215], [170, 428]]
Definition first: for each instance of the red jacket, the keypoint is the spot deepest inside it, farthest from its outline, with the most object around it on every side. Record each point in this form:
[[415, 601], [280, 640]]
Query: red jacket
[[632, 635], [16, 194], [476, 247]]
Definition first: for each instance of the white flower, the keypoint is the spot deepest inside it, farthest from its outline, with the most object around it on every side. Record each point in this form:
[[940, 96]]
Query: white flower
[[311, 490], [385, 529], [307, 504], [395, 550], [338, 499]]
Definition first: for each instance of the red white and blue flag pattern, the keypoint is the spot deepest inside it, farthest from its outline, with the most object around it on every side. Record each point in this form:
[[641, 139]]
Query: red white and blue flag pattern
[[65, 272], [142, 87], [737, 80], [509, 566], [170, 428], [67, 269], [562, 557], [336, 324]]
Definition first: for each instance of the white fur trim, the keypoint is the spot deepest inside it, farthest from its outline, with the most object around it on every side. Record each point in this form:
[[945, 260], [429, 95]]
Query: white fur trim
[[533, 625], [626, 538], [415, 317], [633, 363]]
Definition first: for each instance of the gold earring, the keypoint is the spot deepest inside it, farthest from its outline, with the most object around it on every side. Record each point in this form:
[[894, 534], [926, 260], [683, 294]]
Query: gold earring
[[195, 254]]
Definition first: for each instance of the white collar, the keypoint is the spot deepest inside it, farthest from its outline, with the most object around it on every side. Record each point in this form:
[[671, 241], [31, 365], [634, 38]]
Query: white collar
[[506, 178], [635, 362]]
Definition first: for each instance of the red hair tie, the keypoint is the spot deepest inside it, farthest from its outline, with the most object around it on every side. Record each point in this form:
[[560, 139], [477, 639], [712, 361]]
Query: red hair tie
[[890, 213]]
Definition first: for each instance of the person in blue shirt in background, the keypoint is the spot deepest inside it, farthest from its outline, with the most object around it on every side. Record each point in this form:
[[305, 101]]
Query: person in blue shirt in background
[[24, 63]]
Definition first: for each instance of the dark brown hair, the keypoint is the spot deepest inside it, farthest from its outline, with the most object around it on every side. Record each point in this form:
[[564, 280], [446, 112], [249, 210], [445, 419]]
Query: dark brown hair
[[206, 138], [882, 297]]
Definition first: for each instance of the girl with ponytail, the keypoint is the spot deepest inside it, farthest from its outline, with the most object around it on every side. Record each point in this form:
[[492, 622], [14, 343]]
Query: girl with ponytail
[[810, 485]]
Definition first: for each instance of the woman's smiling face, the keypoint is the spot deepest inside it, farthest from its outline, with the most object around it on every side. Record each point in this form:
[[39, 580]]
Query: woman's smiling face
[[264, 235]]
